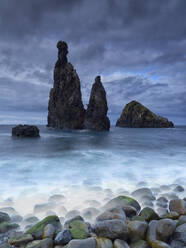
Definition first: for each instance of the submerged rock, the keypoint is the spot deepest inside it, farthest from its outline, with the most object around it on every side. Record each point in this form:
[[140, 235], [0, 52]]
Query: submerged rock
[[96, 114], [65, 109], [25, 131], [136, 115]]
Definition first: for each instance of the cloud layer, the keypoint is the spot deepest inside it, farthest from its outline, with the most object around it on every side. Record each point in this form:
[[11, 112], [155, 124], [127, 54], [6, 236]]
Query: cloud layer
[[137, 46]]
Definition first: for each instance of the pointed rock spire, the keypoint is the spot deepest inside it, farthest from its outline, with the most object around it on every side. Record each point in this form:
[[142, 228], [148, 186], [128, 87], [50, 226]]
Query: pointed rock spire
[[96, 114], [65, 109]]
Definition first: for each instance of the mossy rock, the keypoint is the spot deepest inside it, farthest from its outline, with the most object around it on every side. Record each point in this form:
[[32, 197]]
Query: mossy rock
[[122, 201], [37, 230], [78, 230], [149, 214], [6, 226], [21, 240]]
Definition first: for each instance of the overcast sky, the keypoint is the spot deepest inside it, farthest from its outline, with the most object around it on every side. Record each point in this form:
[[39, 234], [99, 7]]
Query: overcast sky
[[137, 46]]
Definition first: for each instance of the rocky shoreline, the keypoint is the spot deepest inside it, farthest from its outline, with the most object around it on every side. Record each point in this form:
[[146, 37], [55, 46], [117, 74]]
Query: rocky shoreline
[[146, 217]]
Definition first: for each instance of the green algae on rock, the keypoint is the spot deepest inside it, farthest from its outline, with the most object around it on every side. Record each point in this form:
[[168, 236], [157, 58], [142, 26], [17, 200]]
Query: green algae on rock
[[78, 230], [122, 201], [136, 115], [37, 229]]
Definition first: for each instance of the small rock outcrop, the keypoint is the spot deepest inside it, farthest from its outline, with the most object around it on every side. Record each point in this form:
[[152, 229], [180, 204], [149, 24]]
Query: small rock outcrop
[[138, 116], [25, 131], [65, 109], [96, 114]]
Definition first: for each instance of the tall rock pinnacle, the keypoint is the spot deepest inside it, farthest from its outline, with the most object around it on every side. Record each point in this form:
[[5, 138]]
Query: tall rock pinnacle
[[65, 109], [96, 114]]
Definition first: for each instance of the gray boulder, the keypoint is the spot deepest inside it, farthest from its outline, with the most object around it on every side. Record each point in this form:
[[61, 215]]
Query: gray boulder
[[111, 229]]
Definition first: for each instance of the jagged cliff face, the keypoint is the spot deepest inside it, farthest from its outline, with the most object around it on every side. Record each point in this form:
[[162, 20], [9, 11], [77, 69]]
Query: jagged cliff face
[[136, 115], [65, 109], [96, 114]]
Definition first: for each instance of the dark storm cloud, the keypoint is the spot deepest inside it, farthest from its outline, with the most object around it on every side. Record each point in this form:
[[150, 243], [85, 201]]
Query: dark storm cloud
[[138, 46]]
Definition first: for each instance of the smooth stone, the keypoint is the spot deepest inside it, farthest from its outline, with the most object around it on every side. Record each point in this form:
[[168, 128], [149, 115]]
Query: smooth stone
[[113, 213], [178, 206], [6, 226], [82, 243], [79, 230], [137, 230], [89, 213], [147, 204], [179, 189], [63, 237], [122, 201], [9, 210], [68, 222], [176, 244], [149, 214], [171, 215], [37, 230], [143, 192], [17, 218], [162, 211], [49, 231], [170, 196], [118, 243], [151, 232], [159, 244], [162, 202], [39, 208], [165, 229], [139, 244], [4, 217], [181, 220], [21, 240], [180, 234], [111, 229], [103, 243], [44, 243], [71, 214]]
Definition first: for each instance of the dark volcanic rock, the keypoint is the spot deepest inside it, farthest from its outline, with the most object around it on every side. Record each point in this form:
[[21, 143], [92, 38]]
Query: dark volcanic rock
[[65, 109], [136, 115], [96, 114], [25, 131]]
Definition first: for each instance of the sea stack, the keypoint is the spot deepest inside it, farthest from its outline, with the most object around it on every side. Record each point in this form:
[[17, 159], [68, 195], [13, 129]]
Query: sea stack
[[65, 109], [138, 116], [96, 114]]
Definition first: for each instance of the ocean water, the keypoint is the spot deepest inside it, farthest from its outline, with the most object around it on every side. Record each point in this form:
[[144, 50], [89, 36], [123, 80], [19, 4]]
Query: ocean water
[[85, 165]]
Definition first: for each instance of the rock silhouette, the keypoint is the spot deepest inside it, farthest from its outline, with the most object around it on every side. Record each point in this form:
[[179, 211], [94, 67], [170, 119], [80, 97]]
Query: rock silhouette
[[65, 109], [96, 114], [136, 115], [25, 131]]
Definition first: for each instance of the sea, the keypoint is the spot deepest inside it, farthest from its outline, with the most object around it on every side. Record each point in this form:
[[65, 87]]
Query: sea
[[85, 165]]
